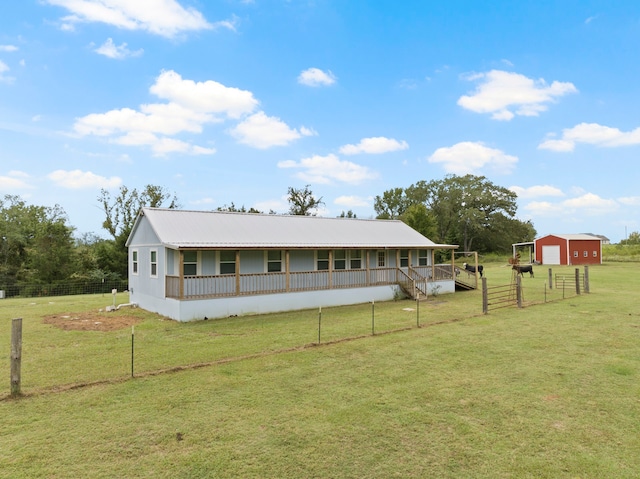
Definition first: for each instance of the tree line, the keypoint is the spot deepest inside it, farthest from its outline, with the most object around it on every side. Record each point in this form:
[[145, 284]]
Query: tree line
[[38, 245]]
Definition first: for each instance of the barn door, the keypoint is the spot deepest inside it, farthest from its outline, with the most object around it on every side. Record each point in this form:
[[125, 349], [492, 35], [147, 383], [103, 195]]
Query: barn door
[[551, 254]]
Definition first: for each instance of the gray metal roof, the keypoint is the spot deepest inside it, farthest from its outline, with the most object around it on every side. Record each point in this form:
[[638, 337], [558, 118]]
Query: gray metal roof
[[215, 229]]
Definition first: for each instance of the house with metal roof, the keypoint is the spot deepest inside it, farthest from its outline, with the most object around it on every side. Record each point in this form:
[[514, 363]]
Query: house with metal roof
[[191, 265]]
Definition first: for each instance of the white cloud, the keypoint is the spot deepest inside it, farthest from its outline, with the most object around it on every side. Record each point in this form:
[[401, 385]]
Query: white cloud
[[160, 17], [591, 204], [208, 96], [8, 48], [162, 146], [327, 169], [14, 181], [469, 157], [352, 201], [191, 106], [262, 131], [592, 134], [77, 179], [281, 205], [315, 77], [167, 119], [588, 204], [4, 68], [374, 145], [506, 94], [111, 50], [630, 200], [536, 191]]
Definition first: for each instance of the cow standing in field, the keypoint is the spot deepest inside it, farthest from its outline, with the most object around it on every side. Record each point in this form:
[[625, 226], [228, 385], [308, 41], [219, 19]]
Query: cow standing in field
[[523, 268], [472, 269]]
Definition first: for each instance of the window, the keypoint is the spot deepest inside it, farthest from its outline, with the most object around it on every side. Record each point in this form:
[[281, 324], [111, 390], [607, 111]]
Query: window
[[595, 254], [575, 254], [381, 259], [404, 257], [339, 259], [274, 261], [227, 262], [322, 262], [190, 263], [585, 254], [134, 261], [356, 259], [423, 257], [154, 263]]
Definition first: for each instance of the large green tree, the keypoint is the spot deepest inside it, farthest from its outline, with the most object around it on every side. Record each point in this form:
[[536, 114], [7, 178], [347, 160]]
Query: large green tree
[[303, 202], [36, 243], [120, 214], [467, 210]]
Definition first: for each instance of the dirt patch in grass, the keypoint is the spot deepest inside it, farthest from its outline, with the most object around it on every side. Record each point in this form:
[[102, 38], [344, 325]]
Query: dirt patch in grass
[[91, 321]]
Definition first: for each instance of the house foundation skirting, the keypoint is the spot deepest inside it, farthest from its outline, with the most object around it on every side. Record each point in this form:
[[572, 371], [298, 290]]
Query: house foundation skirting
[[199, 309]]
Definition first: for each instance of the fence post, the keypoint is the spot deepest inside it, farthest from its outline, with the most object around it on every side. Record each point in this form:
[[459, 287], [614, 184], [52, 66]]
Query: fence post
[[16, 355], [373, 316], [485, 296], [577, 280], [586, 279], [550, 279], [519, 291], [319, 322]]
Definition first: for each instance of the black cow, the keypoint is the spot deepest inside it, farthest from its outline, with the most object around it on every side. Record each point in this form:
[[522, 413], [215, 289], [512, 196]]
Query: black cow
[[524, 268], [472, 269]]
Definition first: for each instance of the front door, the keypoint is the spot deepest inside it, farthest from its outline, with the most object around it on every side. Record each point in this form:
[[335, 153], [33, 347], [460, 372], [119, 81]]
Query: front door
[[382, 273]]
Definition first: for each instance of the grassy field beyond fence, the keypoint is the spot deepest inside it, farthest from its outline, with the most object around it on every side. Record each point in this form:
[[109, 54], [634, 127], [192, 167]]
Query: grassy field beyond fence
[[550, 390]]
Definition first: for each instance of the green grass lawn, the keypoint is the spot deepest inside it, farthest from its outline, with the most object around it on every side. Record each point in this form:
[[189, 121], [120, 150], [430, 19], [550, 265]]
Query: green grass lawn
[[548, 391]]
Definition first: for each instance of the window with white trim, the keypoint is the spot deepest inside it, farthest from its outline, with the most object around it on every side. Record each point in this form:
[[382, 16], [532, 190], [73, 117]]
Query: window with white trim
[[595, 254], [134, 262], [339, 259], [355, 259], [153, 261], [585, 254], [274, 261], [227, 262], [404, 257], [322, 259], [382, 259], [423, 257], [575, 254], [190, 263]]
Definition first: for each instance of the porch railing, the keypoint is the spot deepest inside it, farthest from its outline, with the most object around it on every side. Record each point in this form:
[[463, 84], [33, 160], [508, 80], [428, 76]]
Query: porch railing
[[199, 287]]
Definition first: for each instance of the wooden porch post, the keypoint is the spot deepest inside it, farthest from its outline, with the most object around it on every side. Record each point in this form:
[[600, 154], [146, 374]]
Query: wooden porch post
[[181, 275], [368, 266], [330, 269], [287, 275], [237, 272]]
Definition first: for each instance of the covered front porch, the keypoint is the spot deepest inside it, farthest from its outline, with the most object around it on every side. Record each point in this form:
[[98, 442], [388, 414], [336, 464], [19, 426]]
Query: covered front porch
[[414, 281]]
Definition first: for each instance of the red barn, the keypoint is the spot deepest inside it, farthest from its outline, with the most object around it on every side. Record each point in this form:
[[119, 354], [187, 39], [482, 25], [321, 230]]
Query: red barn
[[568, 249]]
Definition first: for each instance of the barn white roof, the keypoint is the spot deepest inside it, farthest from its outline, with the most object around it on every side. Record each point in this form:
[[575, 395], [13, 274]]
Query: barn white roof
[[582, 236], [215, 229]]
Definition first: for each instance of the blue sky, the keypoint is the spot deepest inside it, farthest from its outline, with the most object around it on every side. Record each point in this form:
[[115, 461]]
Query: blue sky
[[237, 100]]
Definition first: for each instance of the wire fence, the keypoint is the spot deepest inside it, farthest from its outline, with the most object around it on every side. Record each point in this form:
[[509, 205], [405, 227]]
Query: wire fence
[[62, 288]]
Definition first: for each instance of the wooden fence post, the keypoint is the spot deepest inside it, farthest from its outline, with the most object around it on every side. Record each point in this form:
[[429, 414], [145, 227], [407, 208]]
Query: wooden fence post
[[485, 296], [16, 355], [550, 279], [577, 280], [519, 291], [586, 279]]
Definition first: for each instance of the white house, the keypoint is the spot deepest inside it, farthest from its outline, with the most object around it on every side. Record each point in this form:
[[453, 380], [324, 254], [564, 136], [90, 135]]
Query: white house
[[189, 265]]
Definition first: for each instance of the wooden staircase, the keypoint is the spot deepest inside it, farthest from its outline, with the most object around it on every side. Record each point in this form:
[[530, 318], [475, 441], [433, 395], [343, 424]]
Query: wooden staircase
[[412, 283]]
